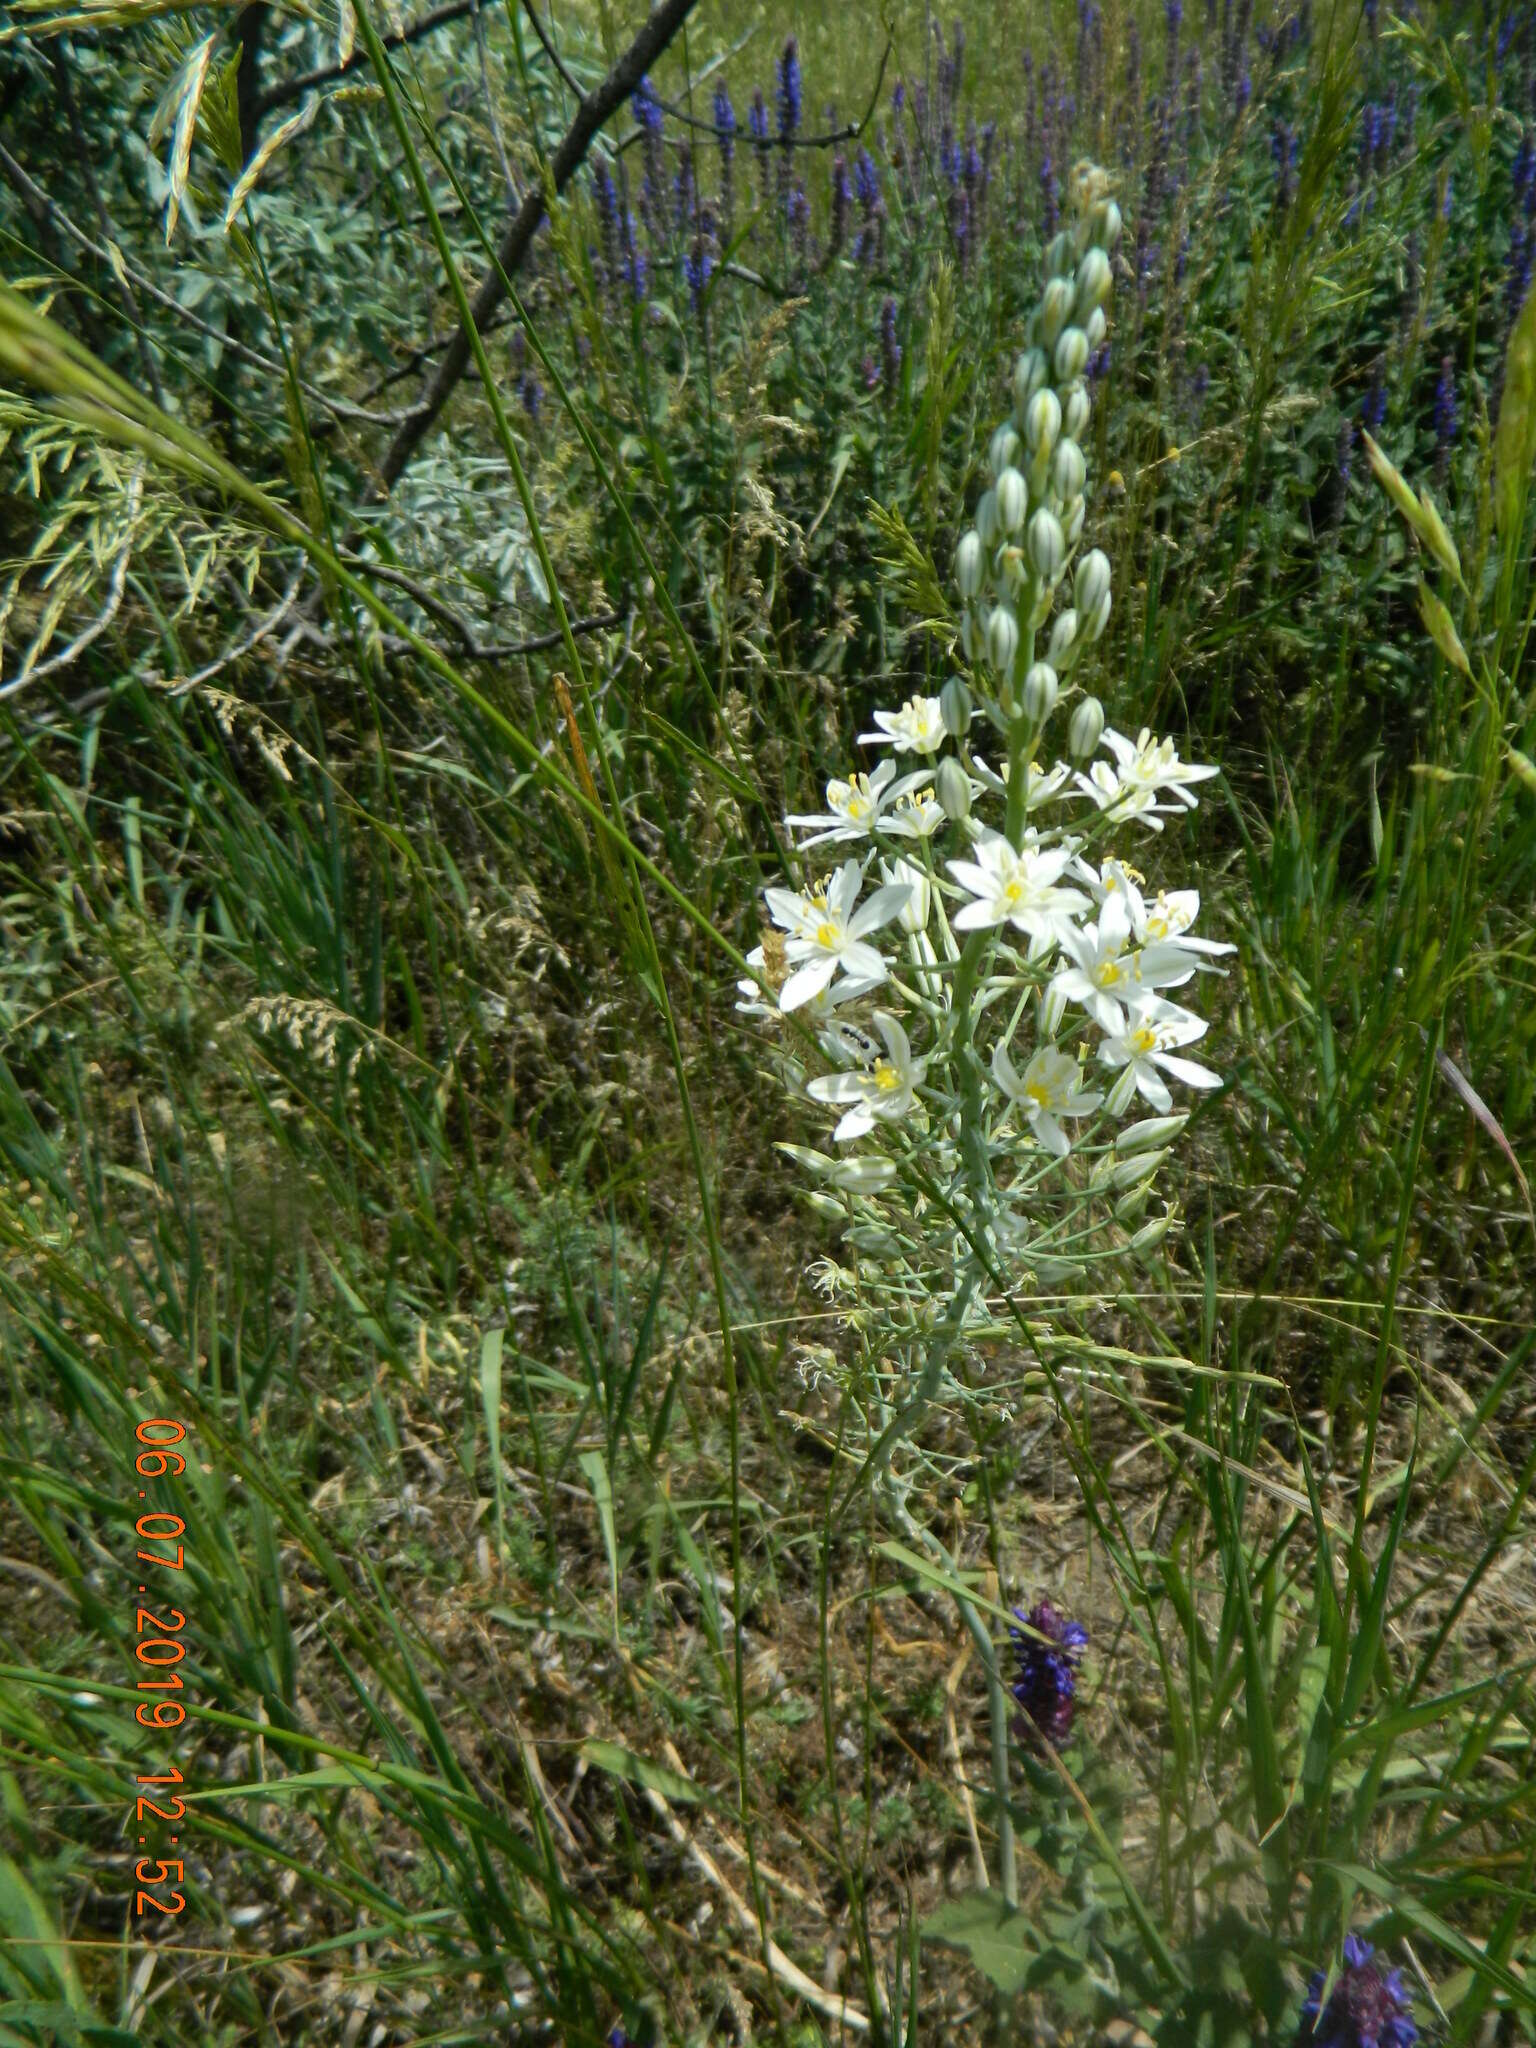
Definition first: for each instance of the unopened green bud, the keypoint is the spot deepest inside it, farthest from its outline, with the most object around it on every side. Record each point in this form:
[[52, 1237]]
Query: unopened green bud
[[1076, 411], [1086, 729], [1055, 311], [1004, 450], [1042, 423], [1096, 620], [1107, 224], [1012, 500], [1042, 686], [1047, 545], [1072, 518], [955, 708], [970, 565], [1071, 357], [1060, 256], [1091, 585], [1095, 327], [1069, 470], [1029, 373], [986, 519], [1002, 640], [952, 787], [1063, 634], [1151, 1235], [1151, 1131], [1094, 282]]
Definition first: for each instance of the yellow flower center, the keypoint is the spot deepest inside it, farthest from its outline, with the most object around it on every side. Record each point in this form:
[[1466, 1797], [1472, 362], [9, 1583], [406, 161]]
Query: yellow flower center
[[1038, 1093], [1143, 1040], [826, 935], [886, 1077], [1013, 892], [1108, 972]]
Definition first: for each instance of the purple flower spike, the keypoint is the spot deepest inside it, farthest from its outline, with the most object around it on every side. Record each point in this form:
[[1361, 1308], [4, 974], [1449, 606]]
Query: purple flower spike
[[788, 93], [647, 107], [1368, 2007], [1049, 1648], [890, 348]]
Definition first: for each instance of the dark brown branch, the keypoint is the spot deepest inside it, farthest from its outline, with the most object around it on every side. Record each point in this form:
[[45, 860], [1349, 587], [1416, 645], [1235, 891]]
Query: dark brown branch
[[295, 88], [594, 110]]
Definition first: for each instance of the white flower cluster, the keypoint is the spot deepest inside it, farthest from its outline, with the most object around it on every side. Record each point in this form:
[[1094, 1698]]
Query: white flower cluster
[[1026, 959]]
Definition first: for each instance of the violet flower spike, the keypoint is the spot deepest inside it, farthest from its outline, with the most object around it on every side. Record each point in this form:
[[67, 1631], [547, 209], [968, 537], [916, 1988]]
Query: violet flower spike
[[1367, 2008], [1048, 1648]]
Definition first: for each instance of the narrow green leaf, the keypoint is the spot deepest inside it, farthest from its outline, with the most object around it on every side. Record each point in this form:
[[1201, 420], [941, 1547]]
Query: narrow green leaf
[[623, 1763], [1514, 445]]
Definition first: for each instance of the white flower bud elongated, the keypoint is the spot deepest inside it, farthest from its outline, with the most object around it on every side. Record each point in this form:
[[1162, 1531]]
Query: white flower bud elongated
[[1071, 358], [1012, 500], [1069, 470], [913, 914], [955, 708], [1002, 640], [863, 1175], [1004, 450], [1047, 545], [970, 565], [1097, 620], [952, 787], [1095, 327], [1092, 582], [1042, 686], [1042, 423], [1055, 311], [1151, 1235], [1029, 373], [1063, 634], [1060, 257], [1072, 517], [1094, 281], [970, 634], [1076, 411], [986, 519], [1151, 1131], [1086, 729], [1106, 224]]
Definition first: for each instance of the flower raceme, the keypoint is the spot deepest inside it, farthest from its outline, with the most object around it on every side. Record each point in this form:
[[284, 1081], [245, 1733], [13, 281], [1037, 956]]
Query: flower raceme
[[1048, 1648], [1022, 964]]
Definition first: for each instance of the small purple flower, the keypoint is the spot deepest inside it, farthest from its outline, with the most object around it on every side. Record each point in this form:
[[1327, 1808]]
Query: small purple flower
[[898, 97], [869, 370], [1368, 2007], [646, 107], [757, 119], [699, 263], [1098, 364], [890, 348], [725, 123], [841, 193], [1048, 1648], [787, 91], [866, 181]]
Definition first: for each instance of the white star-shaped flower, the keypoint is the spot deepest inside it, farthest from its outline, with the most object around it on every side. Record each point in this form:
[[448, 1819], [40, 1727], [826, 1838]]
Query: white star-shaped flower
[[856, 807], [883, 1092], [1048, 1089], [827, 935], [917, 728], [1017, 887], [1154, 1031]]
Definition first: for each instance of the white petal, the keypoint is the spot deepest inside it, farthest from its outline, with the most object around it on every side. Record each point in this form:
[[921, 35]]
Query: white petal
[[1189, 1071], [807, 981]]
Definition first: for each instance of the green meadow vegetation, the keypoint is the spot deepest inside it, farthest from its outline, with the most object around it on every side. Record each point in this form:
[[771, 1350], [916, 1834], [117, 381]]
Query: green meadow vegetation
[[643, 1569]]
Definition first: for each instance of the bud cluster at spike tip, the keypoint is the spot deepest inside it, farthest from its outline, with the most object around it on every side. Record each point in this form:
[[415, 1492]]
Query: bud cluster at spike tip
[[1010, 566], [1048, 1647]]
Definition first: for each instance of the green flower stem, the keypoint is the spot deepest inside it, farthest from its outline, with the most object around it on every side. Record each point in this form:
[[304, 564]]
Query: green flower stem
[[997, 1693]]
